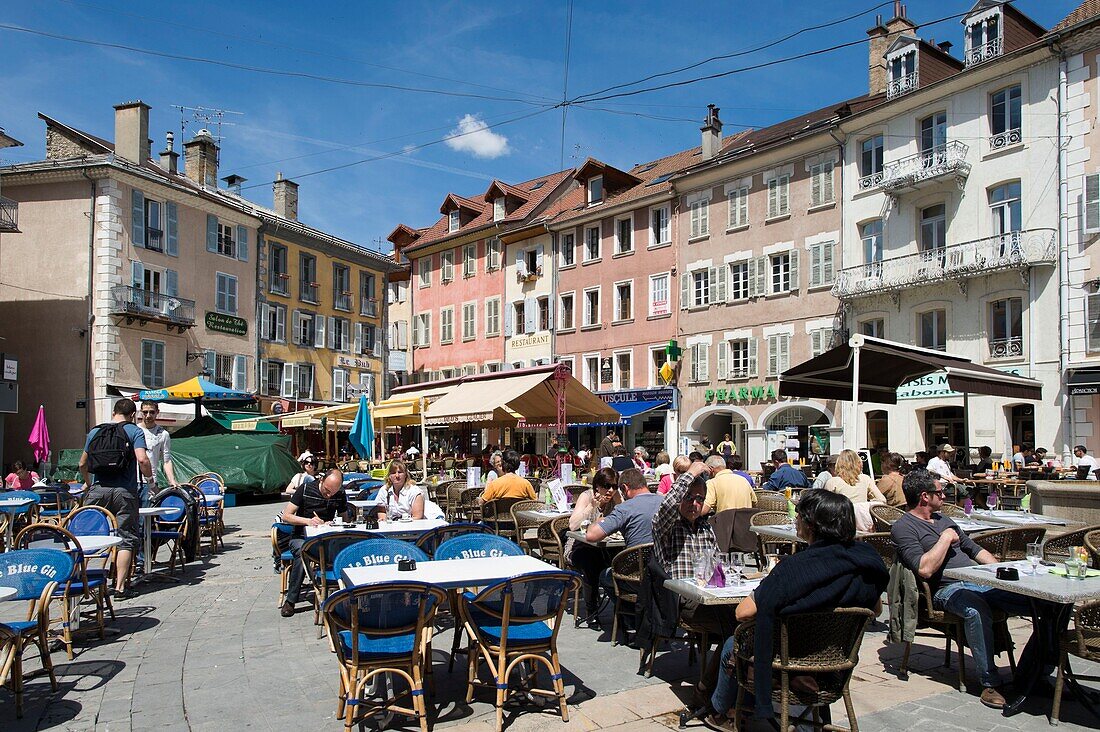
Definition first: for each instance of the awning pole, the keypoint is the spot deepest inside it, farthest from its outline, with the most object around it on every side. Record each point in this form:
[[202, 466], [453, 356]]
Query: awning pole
[[423, 438], [966, 424], [855, 343]]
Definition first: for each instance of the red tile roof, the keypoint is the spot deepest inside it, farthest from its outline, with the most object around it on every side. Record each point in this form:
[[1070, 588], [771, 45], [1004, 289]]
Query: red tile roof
[[1085, 11]]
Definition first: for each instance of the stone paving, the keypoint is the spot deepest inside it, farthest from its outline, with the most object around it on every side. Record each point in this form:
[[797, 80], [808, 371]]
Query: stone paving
[[212, 653]]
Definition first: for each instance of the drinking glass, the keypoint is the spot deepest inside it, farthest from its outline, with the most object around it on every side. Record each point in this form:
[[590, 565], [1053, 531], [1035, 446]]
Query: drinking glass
[[991, 502], [737, 564], [1034, 555], [700, 565]]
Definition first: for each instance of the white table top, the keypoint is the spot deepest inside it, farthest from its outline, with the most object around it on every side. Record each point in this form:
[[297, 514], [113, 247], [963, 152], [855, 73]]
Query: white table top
[[390, 528], [613, 541], [366, 504], [157, 511], [6, 592], [783, 532], [212, 498], [451, 573], [1016, 518], [541, 515], [90, 544], [8, 503], [729, 595], [1043, 585]]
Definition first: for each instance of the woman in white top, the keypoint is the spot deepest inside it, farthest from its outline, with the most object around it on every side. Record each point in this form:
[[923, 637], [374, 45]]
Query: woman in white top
[[495, 466], [850, 481], [308, 474], [400, 498]]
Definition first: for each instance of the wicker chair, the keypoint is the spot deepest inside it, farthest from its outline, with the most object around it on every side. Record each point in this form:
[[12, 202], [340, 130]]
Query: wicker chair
[[497, 514], [1056, 548], [1010, 544], [467, 508], [1084, 642], [526, 528], [825, 647], [771, 501], [950, 510], [770, 518], [549, 536], [451, 497], [881, 543], [885, 516], [627, 566], [442, 492], [1092, 543]]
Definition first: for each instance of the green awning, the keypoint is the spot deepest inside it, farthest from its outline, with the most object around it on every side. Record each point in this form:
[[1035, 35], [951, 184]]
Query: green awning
[[226, 419], [217, 422]]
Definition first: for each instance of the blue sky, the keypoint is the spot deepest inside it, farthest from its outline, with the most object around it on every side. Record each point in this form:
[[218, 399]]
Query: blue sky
[[508, 59]]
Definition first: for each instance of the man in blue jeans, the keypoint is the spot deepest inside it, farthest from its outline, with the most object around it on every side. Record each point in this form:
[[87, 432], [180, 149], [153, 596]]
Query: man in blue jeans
[[927, 543]]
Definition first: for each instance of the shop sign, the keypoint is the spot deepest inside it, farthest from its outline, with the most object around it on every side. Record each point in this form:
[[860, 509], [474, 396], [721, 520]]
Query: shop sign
[[230, 324], [530, 341], [353, 362], [935, 386], [751, 393], [606, 372], [626, 396], [11, 368]]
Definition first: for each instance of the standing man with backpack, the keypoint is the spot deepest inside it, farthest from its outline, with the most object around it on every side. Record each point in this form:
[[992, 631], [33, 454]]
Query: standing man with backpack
[[114, 453]]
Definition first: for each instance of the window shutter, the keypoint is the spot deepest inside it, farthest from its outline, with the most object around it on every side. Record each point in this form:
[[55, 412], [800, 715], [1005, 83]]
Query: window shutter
[[773, 356], [721, 276], [1092, 203], [827, 269], [242, 243], [295, 327], [538, 257], [827, 182], [815, 343], [784, 353], [752, 279], [265, 327], [318, 331], [712, 284], [416, 331], [171, 283], [704, 366], [816, 256], [723, 371], [815, 185], [784, 189], [427, 340], [794, 270], [210, 360], [508, 317], [685, 291], [521, 265], [753, 369], [762, 276], [172, 246], [280, 324], [137, 275], [376, 340], [338, 384], [550, 316], [240, 373], [357, 344], [330, 338], [211, 233], [137, 218], [402, 334], [288, 379], [530, 315], [263, 376]]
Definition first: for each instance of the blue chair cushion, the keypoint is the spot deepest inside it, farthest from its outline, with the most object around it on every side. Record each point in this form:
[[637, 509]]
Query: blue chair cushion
[[374, 648], [519, 634], [287, 556], [23, 627], [77, 588], [165, 534]]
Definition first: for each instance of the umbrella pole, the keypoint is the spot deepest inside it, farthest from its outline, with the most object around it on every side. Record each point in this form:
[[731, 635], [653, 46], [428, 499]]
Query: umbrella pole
[[198, 407], [966, 424], [423, 438], [855, 395]]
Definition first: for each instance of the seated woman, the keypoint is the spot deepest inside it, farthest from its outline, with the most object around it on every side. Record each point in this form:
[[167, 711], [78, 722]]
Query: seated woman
[[495, 467], [20, 479], [890, 482], [592, 505], [857, 486], [308, 474], [832, 571], [400, 498]]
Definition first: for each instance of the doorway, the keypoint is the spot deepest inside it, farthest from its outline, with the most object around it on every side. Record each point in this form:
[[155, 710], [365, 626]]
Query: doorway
[[944, 424], [878, 430], [1021, 420]]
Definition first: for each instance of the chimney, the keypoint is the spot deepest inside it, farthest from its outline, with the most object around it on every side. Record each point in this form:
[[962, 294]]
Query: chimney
[[945, 46], [712, 133], [881, 36], [200, 159], [169, 158], [233, 183], [286, 197], [132, 131]]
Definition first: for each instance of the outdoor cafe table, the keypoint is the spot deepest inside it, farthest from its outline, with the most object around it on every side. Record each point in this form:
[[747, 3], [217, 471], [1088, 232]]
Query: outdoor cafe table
[[361, 506], [212, 498], [6, 592], [541, 514], [691, 591], [147, 515], [449, 573], [390, 529], [96, 543], [10, 506], [786, 532], [615, 541], [1018, 518], [1042, 649]]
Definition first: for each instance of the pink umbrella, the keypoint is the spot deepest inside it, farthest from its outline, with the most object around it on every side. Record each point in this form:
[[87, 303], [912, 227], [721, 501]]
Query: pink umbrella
[[40, 436]]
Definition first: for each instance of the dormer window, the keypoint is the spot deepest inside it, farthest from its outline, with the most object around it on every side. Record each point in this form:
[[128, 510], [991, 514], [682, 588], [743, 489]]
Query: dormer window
[[498, 208], [595, 190], [983, 38], [903, 73], [453, 221]]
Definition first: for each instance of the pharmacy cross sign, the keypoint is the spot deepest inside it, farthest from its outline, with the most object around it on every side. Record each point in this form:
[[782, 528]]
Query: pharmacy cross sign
[[674, 351]]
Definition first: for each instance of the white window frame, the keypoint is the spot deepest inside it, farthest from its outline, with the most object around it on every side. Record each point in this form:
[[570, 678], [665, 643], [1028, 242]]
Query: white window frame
[[224, 301], [492, 317], [599, 243], [653, 280], [447, 325], [701, 280], [493, 251], [660, 231], [941, 312], [738, 368], [877, 327], [599, 303], [424, 271], [422, 330], [340, 384], [779, 353], [469, 318], [454, 220], [1092, 322], [618, 302], [563, 325], [446, 266], [791, 272], [594, 193], [731, 288], [700, 219], [595, 382], [618, 239], [499, 210], [616, 374], [822, 184], [699, 371], [822, 263], [567, 243], [469, 260], [654, 375]]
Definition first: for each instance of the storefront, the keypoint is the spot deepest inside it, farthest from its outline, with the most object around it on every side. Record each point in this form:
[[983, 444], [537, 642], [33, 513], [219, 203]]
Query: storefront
[[648, 420]]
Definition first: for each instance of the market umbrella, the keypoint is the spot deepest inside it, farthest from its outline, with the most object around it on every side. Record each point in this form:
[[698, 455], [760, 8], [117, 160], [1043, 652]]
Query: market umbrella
[[40, 439], [197, 390], [362, 430]]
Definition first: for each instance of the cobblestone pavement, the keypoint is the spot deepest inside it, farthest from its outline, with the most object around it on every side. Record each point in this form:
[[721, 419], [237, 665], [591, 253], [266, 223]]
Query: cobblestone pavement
[[212, 653]]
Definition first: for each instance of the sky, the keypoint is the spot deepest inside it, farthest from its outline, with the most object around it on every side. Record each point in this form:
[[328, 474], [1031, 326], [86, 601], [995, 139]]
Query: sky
[[408, 101]]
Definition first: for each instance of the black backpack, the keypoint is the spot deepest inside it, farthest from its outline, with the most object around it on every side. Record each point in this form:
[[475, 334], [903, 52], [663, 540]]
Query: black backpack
[[110, 453]]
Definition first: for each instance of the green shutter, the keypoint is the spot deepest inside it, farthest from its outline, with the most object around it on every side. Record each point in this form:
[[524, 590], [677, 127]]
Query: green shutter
[[242, 243]]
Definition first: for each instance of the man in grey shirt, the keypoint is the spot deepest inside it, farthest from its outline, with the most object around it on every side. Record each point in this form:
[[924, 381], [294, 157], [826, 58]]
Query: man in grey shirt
[[928, 542], [634, 516]]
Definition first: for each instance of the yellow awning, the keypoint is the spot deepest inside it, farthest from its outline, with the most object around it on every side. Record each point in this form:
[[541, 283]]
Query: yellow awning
[[532, 397]]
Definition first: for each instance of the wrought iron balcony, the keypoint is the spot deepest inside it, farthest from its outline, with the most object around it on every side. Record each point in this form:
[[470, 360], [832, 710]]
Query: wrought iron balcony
[[1005, 139], [368, 306], [984, 52], [143, 306], [9, 216], [940, 162], [902, 85], [871, 181], [1006, 347], [154, 239], [1017, 250]]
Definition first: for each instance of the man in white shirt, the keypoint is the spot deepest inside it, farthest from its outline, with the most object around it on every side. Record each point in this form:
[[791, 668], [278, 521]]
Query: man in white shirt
[[940, 466], [158, 445], [1084, 460]]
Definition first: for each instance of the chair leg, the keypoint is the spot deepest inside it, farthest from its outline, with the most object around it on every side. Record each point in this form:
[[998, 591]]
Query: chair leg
[[471, 675], [652, 655], [418, 699], [615, 624], [66, 627], [962, 663], [44, 654], [559, 685], [1059, 684], [853, 725], [17, 679], [904, 670]]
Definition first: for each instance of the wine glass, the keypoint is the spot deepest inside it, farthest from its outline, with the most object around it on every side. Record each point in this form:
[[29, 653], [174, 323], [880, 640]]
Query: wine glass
[[700, 566], [1034, 555], [991, 501], [737, 564]]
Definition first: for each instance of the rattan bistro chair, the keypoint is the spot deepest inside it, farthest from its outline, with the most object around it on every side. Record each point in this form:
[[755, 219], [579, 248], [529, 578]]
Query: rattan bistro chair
[[1082, 641], [1009, 544], [526, 529], [881, 543], [950, 510], [1056, 548], [1092, 544], [467, 508], [626, 577], [768, 545], [885, 516], [771, 501], [498, 515]]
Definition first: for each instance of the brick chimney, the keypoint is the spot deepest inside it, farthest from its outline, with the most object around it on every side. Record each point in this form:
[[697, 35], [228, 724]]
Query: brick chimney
[[881, 36], [712, 133], [200, 159], [132, 131], [286, 197], [169, 158]]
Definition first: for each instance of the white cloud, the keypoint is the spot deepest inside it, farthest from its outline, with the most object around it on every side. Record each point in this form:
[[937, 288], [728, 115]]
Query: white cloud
[[474, 136]]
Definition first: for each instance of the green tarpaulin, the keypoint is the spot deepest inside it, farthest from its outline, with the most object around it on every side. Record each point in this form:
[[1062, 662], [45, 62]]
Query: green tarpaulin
[[221, 423], [261, 463], [68, 466]]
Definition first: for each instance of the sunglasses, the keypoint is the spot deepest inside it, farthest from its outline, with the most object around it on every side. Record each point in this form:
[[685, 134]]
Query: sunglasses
[[694, 498], [308, 462], [941, 494]]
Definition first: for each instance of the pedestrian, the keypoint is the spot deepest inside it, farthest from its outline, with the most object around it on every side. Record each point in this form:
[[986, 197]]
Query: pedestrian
[[158, 445]]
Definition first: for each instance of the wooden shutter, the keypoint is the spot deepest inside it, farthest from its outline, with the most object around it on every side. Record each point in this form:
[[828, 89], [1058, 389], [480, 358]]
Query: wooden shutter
[[538, 257], [330, 334], [265, 314], [402, 334], [827, 182], [171, 283], [137, 275], [242, 243], [685, 291], [784, 190], [508, 317], [721, 278], [723, 360], [704, 367], [712, 284], [357, 343], [296, 327], [137, 218], [794, 270], [550, 315], [762, 267], [263, 376], [530, 315], [172, 245], [773, 355], [211, 233], [521, 264], [318, 331], [828, 269], [289, 379], [753, 358], [816, 257], [815, 185], [1092, 203], [240, 372], [280, 324]]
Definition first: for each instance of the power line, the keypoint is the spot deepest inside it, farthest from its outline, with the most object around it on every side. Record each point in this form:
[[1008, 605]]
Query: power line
[[565, 81]]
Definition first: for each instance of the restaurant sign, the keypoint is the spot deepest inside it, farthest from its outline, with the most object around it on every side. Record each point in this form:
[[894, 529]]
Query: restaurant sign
[[353, 362], [530, 341], [935, 386], [230, 324], [628, 396], [751, 393]]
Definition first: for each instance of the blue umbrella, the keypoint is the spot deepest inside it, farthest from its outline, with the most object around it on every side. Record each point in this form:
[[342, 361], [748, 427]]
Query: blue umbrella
[[362, 430]]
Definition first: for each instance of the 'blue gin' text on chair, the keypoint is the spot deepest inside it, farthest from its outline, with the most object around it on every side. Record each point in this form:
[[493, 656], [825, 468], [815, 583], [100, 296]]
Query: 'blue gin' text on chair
[[478, 546], [375, 551]]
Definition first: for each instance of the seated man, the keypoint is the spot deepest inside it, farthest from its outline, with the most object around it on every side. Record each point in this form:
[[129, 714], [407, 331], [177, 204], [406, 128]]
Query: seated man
[[785, 475], [726, 489], [928, 543], [313, 504], [508, 484]]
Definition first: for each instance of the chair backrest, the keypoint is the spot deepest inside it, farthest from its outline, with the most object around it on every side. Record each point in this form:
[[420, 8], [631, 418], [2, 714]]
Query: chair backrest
[[770, 501], [549, 536], [1010, 544], [372, 552], [629, 564], [952, 511], [91, 521], [885, 516], [498, 514], [1083, 472], [1057, 548], [824, 641], [474, 546], [209, 485], [1092, 543], [526, 527], [528, 598], [30, 571], [172, 501], [429, 541], [881, 543], [769, 518], [382, 610]]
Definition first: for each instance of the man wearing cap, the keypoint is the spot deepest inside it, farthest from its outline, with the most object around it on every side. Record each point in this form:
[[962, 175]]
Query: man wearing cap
[[1084, 460], [939, 464]]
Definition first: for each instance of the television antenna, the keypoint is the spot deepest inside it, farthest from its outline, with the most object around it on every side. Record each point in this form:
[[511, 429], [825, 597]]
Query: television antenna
[[207, 118]]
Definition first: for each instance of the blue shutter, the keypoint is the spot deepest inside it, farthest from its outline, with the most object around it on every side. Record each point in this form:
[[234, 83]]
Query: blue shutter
[[172, 284], [211, 233], [242, 243], [172, 247], [137, 220], [137, 275]]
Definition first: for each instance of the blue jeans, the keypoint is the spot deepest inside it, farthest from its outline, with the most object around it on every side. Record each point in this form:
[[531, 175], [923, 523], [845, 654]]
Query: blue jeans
[[725, 692], [975, 604]]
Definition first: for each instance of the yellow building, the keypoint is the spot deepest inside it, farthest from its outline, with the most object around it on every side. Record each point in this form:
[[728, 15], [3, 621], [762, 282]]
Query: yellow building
[[321, 310]]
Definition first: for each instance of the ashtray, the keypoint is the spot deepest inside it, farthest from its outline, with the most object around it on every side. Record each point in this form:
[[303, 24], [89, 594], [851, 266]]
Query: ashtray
[[1008, 573], [406, 565], [371, 523]]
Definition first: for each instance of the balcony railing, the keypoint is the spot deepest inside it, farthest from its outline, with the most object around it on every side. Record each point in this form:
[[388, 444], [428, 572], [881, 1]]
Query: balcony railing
[[984, 52], [280, 283], [1006, 347], [902, 85], [871, 181], [307, 291], [957, 262], [1005, 139], [9, 215], [368, 306], [342, 301], [946, 160], [154, 239], [144, 306]]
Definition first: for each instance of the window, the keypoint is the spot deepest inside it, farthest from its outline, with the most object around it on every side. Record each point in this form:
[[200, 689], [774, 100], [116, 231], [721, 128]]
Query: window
[[273, 322], [742, 358], [624, 235], [591, 243], [592, 306], [424, 269], [875, 327], [821, 184], [1004, 204], [339, 385], [152, 364], [227, 245], [820, 339], [565, 320], [154, 227], [592, 372], [659, 302], [659, 230], [870, 162], [304, 380], [399, 335], [492, 316], [779, 354], [700, 218], [738, 214], [446, 266], [368, 303], [498, 208], [658, 356], [545, 322], [469, 260], [783, 272], [305, 333], [568, 247], [700, 368], [983, 40], [739, 282], [368, 338], [933, 137], [223, 370], [822, 271], [397, 292], [901, 68], [933, 229], [531, 261], [779, 196], [446, 325], [624, 367], [1093, 316], [519, 316], [279, 279], [492, 254], [453, 220], [1005, 117], [933, 329], [1006, 328], [272, 376], [469, 321], [595, 189], [624, 300], [700, 288], [340, 332], [422, 330], [871, 234], [341, 287], [307, 278], [225, 298]]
